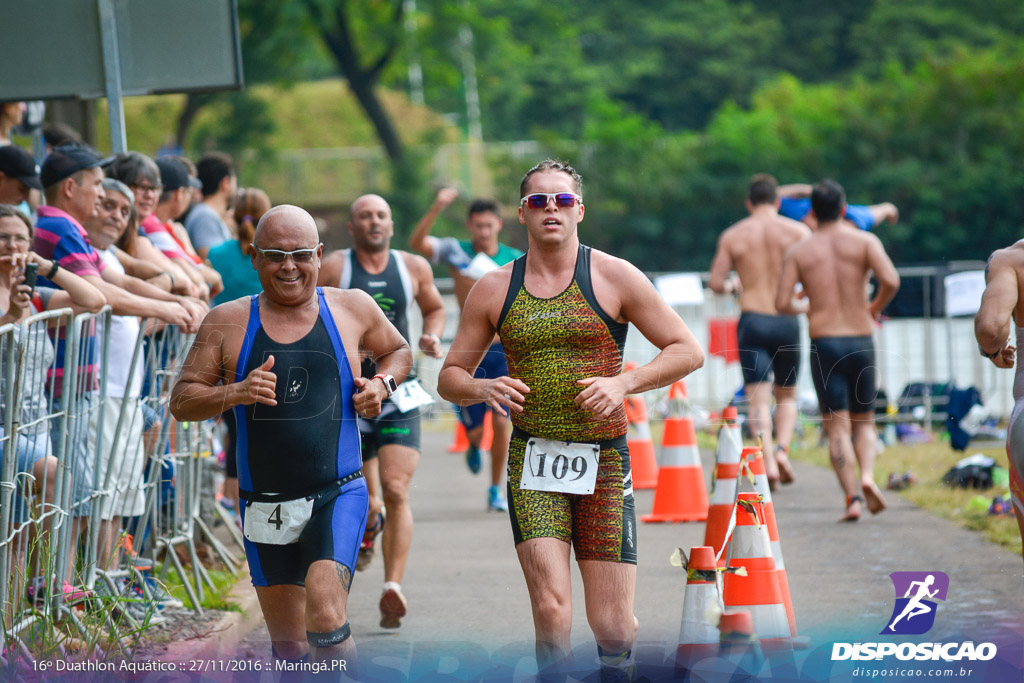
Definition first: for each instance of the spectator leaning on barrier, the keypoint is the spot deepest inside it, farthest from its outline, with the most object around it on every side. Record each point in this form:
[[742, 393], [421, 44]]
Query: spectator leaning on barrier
[[205, 223], [210, 275], [72, 178], [127, 499], [19, 301], [172, 202], [142, 176]]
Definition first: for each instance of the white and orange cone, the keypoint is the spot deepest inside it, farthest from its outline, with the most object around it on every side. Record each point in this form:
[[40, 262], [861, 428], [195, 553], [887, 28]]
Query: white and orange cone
[[753, 471], [681, 495], [757, 592]]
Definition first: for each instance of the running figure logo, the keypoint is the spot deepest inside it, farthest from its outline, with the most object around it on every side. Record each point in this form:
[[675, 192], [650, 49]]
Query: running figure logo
[[914, 613]]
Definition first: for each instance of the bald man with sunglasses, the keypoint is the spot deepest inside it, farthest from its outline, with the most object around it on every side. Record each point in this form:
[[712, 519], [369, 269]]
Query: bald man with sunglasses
[[299, 468], [562, 311]]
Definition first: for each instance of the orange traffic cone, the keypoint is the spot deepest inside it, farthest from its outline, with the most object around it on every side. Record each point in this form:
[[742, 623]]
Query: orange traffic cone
[[681, 495], [460, 443], [487, 439], [753, 467], [723, 484], [642, 462], [757, 591], [698, 632]]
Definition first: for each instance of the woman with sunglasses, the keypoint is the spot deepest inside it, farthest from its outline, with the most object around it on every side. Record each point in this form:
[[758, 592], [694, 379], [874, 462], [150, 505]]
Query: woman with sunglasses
[[561, 312]]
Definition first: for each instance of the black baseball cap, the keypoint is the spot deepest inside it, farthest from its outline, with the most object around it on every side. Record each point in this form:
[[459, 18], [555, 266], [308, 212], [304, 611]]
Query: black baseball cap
[[67, 160], [174, 175], [16, 162]]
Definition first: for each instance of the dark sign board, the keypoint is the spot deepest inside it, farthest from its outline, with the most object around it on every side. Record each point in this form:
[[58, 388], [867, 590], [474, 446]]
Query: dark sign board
[[53, 49]]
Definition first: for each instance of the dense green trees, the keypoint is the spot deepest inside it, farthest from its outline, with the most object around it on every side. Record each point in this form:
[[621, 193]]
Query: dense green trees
[[668, 108]]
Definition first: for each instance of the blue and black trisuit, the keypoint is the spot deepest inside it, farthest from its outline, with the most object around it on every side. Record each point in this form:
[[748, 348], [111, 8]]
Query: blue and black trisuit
[[307, 446]]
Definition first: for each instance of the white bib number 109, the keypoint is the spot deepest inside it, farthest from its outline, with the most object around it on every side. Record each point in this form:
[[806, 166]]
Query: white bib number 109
[[560, 466]]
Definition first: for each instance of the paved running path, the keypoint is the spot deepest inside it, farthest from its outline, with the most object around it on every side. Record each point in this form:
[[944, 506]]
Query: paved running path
[[468, 601]]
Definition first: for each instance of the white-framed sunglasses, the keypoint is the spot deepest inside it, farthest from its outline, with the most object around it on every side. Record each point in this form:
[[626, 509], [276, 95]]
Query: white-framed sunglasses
[[539, 200], [278, 256]]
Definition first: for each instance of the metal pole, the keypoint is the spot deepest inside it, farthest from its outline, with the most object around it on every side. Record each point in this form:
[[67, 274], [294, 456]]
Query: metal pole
[[112, 73]]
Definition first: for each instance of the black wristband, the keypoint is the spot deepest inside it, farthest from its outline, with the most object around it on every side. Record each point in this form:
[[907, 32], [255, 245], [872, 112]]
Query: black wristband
[[53, 271]]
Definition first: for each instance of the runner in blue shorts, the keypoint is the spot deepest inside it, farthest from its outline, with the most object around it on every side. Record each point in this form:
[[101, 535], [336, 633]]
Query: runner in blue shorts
[[467, 261], [285, 362]]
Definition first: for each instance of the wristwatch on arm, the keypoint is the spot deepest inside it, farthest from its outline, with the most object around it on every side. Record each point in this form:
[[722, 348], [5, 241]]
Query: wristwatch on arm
[[990, 356], [389, 383]]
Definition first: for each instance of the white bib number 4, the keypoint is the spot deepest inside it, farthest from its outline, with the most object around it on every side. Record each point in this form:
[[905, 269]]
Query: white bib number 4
[[560, 466], [277, 523]]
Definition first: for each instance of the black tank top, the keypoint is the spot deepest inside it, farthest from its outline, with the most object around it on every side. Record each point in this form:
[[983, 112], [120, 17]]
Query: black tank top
[[552, 343], [391, 290], [309, 439]]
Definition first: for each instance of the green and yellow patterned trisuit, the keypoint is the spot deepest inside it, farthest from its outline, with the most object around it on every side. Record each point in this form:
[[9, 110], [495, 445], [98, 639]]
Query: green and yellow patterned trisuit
[[550, 345]]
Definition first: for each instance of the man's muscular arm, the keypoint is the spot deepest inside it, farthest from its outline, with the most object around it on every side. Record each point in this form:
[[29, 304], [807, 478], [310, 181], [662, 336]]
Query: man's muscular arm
[[420, 240], [381, 341], [885, 273], [198, 394], [641, 305], [784, 301], [719, 281], [431, 305], [993, 320]]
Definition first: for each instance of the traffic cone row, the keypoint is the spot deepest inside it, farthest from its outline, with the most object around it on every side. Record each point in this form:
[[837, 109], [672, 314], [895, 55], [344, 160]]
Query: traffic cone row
[[680, 495], [754, 598]]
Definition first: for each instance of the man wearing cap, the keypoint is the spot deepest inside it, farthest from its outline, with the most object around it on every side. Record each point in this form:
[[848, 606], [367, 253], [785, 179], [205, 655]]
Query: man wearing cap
[[19, 174], [205, 225], [72, 179], [126, 499], [174, 201]]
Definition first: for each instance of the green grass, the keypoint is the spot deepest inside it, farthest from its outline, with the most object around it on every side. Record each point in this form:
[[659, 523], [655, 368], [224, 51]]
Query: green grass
[[223, 580]]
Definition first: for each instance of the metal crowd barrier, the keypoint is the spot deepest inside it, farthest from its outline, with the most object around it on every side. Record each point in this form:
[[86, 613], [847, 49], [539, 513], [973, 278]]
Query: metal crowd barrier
[[57, 551]]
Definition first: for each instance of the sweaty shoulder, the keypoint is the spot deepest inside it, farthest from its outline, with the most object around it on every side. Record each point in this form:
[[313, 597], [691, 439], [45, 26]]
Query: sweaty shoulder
[[495, 282], [416, 264], [330, 268], [613, 268], [347, 301], [235, 311], [794, 230], [1008, 257]]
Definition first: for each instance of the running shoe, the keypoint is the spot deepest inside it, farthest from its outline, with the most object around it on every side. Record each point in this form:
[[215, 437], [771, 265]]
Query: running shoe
[[473, 459], [495, 501], [39, 593], [367, 548], [392, 606]]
